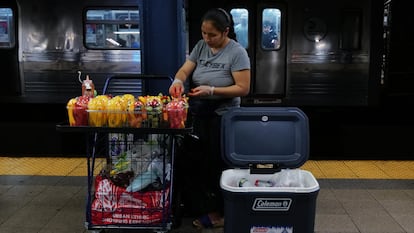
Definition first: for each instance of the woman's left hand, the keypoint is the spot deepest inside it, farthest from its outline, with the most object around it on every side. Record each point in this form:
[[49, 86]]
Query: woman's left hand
[[202, 90]]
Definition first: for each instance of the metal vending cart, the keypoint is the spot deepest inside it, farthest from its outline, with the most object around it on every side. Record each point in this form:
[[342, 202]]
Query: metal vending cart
[[130, 169], [267, 191]]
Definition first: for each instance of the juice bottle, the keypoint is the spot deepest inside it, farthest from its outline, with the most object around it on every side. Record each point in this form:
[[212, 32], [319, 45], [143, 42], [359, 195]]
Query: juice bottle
[[88, 88]]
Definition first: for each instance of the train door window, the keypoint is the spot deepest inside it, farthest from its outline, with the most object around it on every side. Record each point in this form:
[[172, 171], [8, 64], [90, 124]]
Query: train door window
[[7, 39], [241, 27], [270, 29], [112, 29]]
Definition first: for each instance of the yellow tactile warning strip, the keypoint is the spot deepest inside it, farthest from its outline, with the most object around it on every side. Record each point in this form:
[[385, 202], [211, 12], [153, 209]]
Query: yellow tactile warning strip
[[361, 169], [46, 166], [321, 169]]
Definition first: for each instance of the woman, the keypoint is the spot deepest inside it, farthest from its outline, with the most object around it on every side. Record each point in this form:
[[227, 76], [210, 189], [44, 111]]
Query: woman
[[219, 68]]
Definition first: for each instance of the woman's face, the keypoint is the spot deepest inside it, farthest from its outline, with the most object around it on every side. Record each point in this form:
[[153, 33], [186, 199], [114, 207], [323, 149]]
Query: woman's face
[[213, 37]]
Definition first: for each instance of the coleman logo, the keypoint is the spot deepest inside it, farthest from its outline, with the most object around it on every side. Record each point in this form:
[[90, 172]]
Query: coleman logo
[[271, 204]]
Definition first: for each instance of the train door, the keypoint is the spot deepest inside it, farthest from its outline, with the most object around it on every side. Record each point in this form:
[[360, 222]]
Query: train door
[[264, 38], [9, 84]]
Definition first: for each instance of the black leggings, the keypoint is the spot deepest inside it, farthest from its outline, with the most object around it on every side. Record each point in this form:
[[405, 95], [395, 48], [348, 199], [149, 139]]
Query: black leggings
[[203, 165]]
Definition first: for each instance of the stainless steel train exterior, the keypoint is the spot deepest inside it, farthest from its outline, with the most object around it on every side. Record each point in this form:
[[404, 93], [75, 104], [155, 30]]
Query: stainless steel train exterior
[[51, 51], [336, 60], [328, 53], [53, 44]]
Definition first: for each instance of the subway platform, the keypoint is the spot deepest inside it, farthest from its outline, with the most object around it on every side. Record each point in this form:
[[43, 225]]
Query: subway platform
[[45, 195]]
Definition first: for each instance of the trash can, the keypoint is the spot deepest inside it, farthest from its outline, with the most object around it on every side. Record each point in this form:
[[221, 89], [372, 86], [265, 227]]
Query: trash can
[[265, 190]]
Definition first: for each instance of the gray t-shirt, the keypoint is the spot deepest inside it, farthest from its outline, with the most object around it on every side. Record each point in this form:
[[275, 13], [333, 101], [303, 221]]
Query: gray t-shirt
[[215, 69]]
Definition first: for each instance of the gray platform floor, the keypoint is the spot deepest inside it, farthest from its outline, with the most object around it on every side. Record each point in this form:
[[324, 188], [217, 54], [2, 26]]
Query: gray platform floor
[[39, 204]]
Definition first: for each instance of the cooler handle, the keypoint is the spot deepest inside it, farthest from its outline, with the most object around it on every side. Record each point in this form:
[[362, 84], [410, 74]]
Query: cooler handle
[[268, 168]]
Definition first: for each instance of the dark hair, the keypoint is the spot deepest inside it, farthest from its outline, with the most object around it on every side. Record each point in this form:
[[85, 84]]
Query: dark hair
[[221, 20]]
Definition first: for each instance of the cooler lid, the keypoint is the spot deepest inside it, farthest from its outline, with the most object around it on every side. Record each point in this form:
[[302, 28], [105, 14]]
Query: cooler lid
[[265, 135]]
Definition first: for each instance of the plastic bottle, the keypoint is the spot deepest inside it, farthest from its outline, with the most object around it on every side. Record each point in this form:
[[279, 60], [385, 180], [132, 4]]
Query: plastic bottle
[[263, 183], [245, 183], [88, 88]]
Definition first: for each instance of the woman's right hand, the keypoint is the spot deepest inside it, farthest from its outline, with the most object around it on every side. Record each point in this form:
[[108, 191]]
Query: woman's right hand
[[177, 86], [176, 89]]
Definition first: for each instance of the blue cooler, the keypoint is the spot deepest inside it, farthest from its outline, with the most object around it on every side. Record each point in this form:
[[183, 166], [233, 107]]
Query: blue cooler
[[266, 191]]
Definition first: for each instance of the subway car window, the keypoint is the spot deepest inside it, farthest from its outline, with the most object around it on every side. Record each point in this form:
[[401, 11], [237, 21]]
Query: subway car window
[[241, 27], [271, 29], [7, 39], [112, 29]]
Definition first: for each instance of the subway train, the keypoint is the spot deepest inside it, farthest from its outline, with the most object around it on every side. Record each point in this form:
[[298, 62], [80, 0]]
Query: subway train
[[344, 63]]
